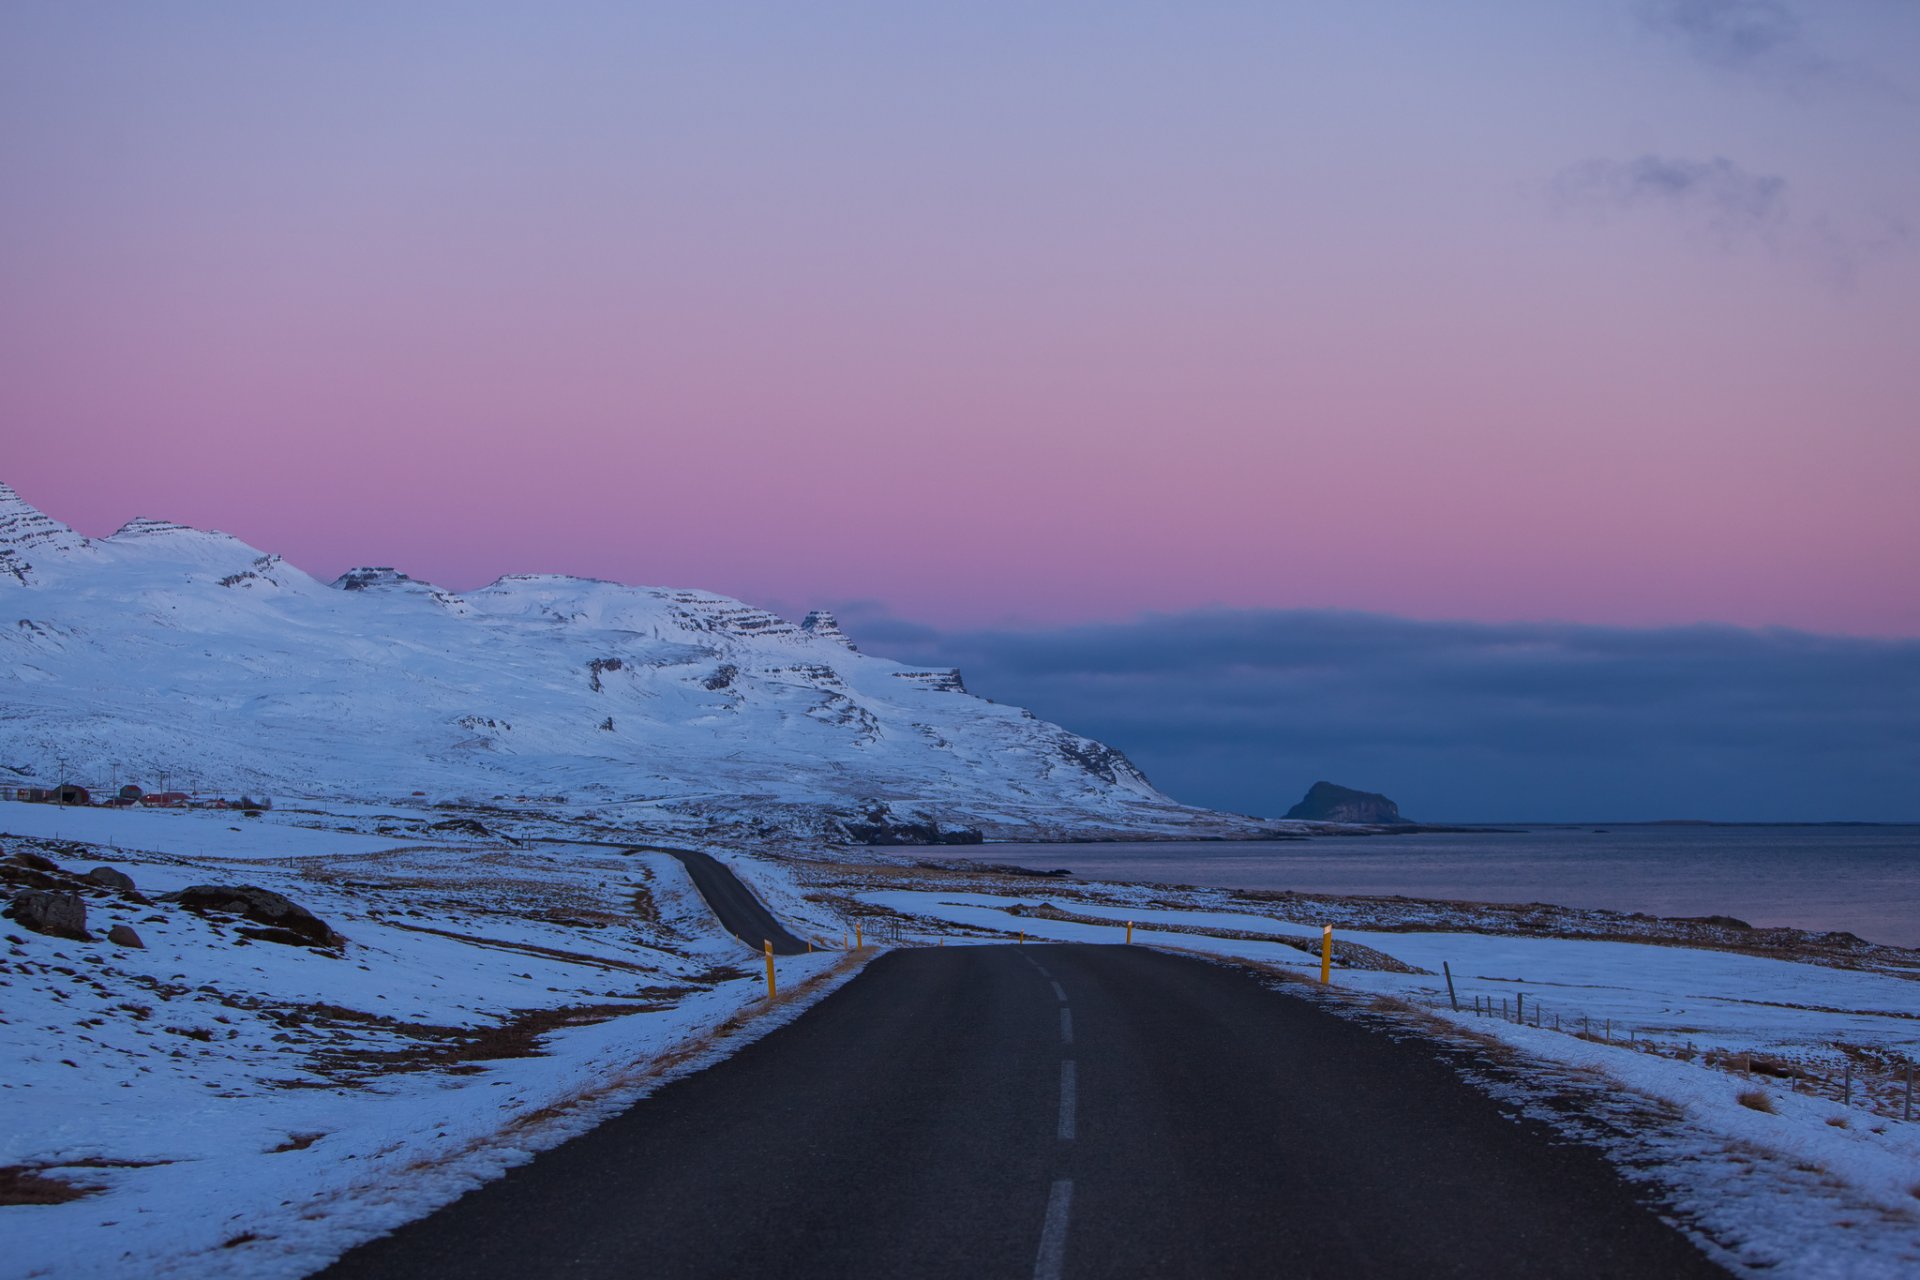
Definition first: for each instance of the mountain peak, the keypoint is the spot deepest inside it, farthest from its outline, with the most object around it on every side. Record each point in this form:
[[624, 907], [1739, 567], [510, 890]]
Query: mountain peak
[[23, 528], [369, 577], [822, 625], [149, 527]]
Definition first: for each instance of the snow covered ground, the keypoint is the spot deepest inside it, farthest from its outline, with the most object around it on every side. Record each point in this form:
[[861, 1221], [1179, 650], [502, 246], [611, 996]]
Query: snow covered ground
[[222, 833], [1663, 1038], [237, 1106]]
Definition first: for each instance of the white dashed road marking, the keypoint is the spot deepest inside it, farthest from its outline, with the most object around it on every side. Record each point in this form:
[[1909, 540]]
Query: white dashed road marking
[[1069, 1098], [1053, 1232]]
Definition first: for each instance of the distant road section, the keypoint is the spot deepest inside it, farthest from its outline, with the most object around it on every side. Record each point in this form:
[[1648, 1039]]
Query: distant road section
[[1055, 1111], [742, 914]]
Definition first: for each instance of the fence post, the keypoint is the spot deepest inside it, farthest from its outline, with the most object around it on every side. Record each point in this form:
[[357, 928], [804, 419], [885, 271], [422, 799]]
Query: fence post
[[1846, 1097], [1129, 933], [770, 989], [1520, 1008], [1451, 998], [1326, 954], [858, 944]]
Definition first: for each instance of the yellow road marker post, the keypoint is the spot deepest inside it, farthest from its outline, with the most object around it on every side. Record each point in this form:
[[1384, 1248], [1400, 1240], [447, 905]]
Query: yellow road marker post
[[1023, 937], [770, 989], [1326, 954], [858, 944], [1129, 933]]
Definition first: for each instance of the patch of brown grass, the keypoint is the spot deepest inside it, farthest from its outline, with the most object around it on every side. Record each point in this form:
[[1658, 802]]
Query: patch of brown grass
[[296, 1142], [1755, 1100], [21, 1184]]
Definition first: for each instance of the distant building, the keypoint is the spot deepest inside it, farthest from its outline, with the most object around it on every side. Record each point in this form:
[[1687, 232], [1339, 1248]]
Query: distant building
[[129, 795], [164, 799], [71, 793]]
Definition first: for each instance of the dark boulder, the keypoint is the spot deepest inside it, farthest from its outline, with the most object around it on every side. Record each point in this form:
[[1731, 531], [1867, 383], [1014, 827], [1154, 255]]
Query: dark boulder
[[122, 935], [1328, 802], [111, 878], [286, 921], [32, 861], [54, 912]]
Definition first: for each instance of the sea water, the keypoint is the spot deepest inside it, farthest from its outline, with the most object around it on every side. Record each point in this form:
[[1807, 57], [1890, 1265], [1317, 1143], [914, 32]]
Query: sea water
[[1864, 880]]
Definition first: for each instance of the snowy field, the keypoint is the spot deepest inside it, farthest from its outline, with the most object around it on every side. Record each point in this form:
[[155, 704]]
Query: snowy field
[[1809, 1186], [222, 833], [228, 1105]]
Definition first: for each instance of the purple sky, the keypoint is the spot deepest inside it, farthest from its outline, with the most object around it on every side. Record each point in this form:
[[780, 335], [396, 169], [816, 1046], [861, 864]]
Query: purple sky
[[1605, 312]]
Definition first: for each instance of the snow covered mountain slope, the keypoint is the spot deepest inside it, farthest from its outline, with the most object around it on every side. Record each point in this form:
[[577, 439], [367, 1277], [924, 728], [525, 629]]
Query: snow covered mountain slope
[[164, 653]]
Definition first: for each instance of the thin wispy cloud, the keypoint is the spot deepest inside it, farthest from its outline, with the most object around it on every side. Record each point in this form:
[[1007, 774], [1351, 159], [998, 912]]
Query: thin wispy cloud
[[1721, 205], [1716, 197], [1764, 39]]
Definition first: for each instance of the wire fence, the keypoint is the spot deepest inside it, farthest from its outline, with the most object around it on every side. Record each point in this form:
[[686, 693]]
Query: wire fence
[[1867, 1077]]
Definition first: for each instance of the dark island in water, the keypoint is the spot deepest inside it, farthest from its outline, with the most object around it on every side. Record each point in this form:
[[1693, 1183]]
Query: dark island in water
[[1329, 802]]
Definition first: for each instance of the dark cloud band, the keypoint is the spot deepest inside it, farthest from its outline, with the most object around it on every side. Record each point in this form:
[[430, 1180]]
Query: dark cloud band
[[1465, 721]]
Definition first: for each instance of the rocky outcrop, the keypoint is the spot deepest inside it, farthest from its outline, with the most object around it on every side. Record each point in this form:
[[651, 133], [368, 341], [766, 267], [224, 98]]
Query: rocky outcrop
[[54, 912], [285, 920], [1329, 802], [880, 825], [111, 878], [822, 625]]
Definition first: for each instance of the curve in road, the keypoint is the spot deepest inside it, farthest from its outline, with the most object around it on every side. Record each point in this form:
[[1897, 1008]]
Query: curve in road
[[738, 910], [1056, 1111]]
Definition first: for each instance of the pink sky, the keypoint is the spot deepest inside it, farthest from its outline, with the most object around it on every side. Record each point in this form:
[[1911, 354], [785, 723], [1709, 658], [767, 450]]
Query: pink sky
[[1233, 314]]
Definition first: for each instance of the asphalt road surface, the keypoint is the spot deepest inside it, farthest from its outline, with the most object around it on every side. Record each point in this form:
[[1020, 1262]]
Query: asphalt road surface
[[740, 913], [1054, 1111]]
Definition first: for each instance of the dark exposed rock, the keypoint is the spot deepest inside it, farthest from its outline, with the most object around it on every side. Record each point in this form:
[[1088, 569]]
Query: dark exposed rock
[[822, 625], [462, 826], [32, 861], [941, 681], [54, 912], [879, 826], [722, 677], [1328, 802], [1109, 764], [123, 935], [111, 878], [262, 906]]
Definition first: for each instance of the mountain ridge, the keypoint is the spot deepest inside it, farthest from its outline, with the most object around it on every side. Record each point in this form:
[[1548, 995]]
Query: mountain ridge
[[165, 650]]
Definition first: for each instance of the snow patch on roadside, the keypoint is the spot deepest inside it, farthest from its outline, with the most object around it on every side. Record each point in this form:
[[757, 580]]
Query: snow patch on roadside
[[237, 1106]]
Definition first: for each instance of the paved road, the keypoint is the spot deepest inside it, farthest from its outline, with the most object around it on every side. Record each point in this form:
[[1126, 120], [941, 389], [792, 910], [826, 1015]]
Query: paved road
[[1054, 1111], [742, 914]]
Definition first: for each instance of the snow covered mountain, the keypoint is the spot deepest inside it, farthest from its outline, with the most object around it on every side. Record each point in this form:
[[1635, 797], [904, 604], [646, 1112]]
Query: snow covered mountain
[[165, 653]]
